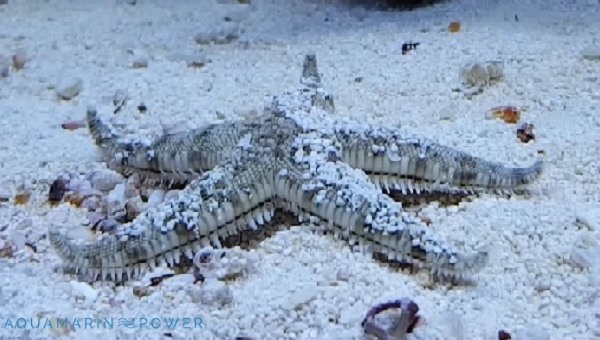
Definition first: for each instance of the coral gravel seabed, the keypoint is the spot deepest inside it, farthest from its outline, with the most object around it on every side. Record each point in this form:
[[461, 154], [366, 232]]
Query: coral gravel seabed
[[86, 50]]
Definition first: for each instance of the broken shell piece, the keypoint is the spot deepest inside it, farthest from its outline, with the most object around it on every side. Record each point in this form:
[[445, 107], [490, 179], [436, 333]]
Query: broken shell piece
[[525, 133], [399, 326], [509, 114], [73, 125]]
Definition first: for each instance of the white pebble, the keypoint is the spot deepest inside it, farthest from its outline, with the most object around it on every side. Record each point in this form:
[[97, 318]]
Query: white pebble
[[300, 297], [69, 88], [350, 315], [532, 333], [215, 293], [81, 289], [585, 251]]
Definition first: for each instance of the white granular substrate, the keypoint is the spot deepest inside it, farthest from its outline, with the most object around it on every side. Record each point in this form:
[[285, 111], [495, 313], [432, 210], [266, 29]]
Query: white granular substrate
[[308, 286]]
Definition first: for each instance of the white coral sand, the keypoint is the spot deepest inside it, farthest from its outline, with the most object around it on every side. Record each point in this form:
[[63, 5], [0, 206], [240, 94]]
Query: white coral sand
[[307, 286]]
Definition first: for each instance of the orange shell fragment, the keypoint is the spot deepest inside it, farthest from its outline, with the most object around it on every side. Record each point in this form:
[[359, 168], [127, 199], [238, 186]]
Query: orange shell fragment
[[454, 27], [509, 114]]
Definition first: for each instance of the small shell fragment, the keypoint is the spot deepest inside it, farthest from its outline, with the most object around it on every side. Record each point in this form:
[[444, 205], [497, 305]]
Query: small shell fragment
[[73, 125], [509, 114], [454, 27], [525, 133]]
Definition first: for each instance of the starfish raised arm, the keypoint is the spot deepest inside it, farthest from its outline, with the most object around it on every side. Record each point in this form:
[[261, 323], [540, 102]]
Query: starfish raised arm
[[172, 158]]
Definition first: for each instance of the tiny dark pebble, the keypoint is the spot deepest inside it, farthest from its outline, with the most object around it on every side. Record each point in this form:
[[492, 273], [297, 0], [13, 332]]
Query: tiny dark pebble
[[155, 281], [58, 188], [358, 79], [409, 46], [142, 108], [502, 335], [168, 335]]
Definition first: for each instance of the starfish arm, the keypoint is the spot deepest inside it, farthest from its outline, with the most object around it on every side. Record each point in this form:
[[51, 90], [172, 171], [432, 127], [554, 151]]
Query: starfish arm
[[177, 157], [310, 81], [356, 210], [414, 164], [232, 197]]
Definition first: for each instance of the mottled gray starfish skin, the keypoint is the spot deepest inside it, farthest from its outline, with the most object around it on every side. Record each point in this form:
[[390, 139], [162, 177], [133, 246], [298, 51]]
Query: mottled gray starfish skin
[[296, 156]]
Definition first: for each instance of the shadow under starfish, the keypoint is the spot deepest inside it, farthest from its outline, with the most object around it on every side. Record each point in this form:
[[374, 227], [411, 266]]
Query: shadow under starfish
[[296, 156]]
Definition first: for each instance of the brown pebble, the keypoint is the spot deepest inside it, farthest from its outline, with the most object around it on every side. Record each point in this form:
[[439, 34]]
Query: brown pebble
[[7, 251], [454, 27], [19, 59], [73, 199], [22, 197], [57, 191]]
